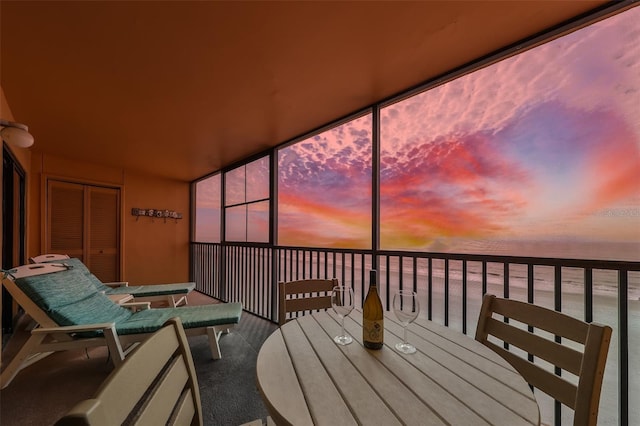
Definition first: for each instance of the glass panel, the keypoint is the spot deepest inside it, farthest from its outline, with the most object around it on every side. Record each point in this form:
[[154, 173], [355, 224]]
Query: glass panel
[[258, 180], [536, 155], [236, 223], [324, 188], [235, 186], [207, 217], [258, 222]]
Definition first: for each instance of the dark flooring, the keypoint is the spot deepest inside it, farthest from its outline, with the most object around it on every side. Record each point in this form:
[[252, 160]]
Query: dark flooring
[[43, 392]]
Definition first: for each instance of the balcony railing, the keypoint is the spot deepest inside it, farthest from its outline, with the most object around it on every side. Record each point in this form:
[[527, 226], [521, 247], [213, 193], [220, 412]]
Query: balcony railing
[[450, 289]]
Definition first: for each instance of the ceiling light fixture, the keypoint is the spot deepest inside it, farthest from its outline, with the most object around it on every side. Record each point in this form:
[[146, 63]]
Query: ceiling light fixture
[[16, 134]]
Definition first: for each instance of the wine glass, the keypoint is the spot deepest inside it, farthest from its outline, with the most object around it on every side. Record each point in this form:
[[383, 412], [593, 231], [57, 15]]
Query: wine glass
[[406, 308], [342, 303]]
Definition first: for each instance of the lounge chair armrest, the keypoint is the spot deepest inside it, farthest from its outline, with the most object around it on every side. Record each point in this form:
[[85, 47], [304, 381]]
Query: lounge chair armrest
[[137, 306], [117, 284], [74, 328]]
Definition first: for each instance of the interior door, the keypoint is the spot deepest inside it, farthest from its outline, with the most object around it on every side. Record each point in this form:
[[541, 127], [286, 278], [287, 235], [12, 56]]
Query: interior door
[[83, 221], [103, 251]]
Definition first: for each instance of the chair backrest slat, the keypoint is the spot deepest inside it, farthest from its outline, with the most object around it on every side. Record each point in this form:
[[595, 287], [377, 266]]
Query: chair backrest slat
[[164, 396], [562, 356], [185, 411], [544, 380], [511, 330], [304, 295], [542, 318]]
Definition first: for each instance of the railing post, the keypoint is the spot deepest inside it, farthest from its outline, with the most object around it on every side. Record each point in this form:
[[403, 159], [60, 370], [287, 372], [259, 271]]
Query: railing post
[[275, 269], [623, 346]]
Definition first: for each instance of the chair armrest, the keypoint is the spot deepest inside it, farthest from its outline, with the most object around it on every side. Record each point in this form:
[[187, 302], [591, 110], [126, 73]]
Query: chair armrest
[[89, 411], [74, 328], [117, 284], [137, 306]]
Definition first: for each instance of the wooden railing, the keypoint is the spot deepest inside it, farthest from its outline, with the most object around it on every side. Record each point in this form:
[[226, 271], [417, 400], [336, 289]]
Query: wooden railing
[[450, 289]]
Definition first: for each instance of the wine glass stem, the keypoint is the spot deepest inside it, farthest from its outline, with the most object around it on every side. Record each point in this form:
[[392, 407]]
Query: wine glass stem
[[405, 334], [342, 324]]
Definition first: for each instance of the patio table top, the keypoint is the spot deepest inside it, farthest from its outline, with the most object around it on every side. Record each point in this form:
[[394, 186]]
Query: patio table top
[[305, 378]]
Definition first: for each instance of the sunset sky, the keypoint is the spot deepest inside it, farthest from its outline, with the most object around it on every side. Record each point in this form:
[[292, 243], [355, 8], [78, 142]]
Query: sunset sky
[[543, 146]]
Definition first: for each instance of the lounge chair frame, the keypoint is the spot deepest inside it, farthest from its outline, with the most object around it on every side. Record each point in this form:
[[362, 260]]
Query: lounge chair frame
[[49, 337]]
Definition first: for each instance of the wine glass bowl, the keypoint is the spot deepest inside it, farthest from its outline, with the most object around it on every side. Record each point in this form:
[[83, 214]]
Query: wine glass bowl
[[406, 308], [342, 302]]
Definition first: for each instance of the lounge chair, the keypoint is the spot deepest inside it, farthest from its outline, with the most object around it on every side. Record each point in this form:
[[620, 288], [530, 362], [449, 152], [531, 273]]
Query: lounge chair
[[71, 313], [173, 294]]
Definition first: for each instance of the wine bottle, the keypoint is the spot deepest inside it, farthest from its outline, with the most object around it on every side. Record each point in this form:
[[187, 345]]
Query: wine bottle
[[372, 316]]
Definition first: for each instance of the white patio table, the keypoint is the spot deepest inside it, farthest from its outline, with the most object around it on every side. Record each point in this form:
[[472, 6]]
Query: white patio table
[[305, 378]]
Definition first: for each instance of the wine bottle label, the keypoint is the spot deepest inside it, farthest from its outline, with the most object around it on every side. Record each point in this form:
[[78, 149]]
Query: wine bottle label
[[373, 331]]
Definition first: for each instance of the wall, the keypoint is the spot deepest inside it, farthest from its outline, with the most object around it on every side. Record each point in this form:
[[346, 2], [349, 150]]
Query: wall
[[156, 251], [153, 251]]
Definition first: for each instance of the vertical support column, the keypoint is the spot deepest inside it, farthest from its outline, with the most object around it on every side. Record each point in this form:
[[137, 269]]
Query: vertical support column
[[623, 346], [375, 188]]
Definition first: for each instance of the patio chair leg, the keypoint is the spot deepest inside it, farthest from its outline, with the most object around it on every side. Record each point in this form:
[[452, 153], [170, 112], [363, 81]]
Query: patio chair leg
[[20, 360], [214, 342]]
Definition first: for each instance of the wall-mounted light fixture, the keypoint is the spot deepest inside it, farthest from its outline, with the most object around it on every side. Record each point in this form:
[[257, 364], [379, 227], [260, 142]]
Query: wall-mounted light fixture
[[16, 134]]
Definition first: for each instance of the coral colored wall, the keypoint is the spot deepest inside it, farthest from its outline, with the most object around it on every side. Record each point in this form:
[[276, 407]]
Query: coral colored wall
[[152, 251], [156, 251]]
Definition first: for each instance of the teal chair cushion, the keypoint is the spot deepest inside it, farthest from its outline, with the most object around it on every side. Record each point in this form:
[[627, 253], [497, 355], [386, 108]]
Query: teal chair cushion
[[154, 289], [94, 309], [138, 290], [70, 298], [54, 290], [78, 266], [151, 320]]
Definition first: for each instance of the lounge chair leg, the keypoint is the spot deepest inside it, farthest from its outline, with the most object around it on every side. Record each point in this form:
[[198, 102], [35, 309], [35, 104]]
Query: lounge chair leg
[[214, 342], [175, 303], [115, 348], [18, 361]]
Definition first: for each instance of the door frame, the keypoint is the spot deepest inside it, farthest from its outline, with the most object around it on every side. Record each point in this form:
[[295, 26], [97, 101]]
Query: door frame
[[9, 239], [44, 231]]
